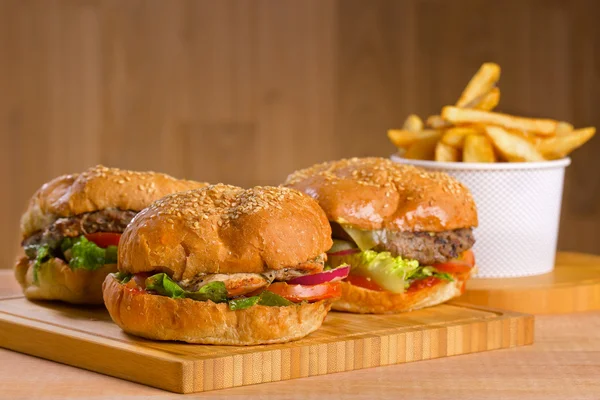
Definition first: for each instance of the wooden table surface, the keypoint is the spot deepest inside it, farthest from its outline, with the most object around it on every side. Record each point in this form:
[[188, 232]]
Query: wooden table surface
[[564, 363]]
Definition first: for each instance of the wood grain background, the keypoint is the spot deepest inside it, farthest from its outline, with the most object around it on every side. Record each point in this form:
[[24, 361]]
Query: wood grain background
[[246, 91]]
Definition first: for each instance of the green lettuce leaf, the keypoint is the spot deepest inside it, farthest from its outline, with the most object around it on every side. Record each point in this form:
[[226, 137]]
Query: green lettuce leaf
[[266, 298], [111, 256], [123, 277], [443, 276], [163, 285], [67, 243], [243, 302], [42, 254], [31, 250], [394, 274], [214, 291], [274, 300], [87, 255], [425, 272], [391, 273]]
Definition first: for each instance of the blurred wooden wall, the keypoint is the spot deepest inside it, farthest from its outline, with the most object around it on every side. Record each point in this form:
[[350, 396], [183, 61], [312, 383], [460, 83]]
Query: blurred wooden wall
[[246, 91]]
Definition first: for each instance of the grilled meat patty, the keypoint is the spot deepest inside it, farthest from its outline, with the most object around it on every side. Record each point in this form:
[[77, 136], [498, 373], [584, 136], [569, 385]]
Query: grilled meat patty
[[242, 283], [107, 220], [236, 284], [426, 247]]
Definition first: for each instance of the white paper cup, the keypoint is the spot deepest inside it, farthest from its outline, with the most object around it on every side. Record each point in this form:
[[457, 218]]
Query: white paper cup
[[519, 211]]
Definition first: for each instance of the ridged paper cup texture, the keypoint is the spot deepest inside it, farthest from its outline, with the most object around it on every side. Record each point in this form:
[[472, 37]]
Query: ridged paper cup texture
[[519, 212]]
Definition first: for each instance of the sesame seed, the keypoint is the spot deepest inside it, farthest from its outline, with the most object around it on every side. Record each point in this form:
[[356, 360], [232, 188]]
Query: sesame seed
[[227, 202], [378, 173]]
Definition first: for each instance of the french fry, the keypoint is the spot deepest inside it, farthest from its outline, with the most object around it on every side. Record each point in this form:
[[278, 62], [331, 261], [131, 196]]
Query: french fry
[[546, 127], [413, 123], [529, 136], [478, 148], [512, 146], [455, 136], [437, 122], [560, 146], [489, 101], [423, 149], [470, 131], [480, 84], [404, 138], [564, 128], [446, 153]]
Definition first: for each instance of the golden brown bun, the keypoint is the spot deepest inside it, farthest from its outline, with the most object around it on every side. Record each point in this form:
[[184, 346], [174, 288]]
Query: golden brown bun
[[376, 193], [57, 281], [96, 189], [225, 229], [364, 301], [163, 318]]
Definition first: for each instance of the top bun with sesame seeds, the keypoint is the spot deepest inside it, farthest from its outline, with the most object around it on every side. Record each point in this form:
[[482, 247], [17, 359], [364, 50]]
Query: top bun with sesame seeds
[[376, 193], [96, 189], [225, 229]]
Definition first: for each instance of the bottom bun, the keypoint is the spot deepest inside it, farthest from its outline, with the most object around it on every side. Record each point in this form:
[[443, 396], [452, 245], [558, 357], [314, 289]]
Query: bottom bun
[[57, 281], [163, 318], [365, 301]]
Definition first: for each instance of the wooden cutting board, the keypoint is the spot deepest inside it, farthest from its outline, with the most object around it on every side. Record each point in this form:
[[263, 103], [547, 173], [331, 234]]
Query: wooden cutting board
[[573, 286], [87, 338]]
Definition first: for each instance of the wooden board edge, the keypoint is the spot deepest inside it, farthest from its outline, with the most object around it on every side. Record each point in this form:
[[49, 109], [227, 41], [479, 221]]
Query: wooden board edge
[[573, 286], [558, 300], [516, 329], [30, 337]]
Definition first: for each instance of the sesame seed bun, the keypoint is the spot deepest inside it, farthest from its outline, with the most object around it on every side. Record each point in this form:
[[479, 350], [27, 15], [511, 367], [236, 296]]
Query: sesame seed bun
[[376, 193], [163, 318], [219, 229], [225, 229], [96, 189]]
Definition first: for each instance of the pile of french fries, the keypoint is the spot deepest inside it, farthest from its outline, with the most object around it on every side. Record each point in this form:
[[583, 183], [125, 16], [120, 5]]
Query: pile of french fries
[[471, 131]]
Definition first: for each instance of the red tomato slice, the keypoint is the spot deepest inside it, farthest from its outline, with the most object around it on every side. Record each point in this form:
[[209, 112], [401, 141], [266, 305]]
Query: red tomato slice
[[462, 264], [104, 239], [423, 283], [299, 293], [363, 282]]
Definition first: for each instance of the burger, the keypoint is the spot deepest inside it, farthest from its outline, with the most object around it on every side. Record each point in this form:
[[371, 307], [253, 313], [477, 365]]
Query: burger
[[72, 227], [225, 265], [406, 233]]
